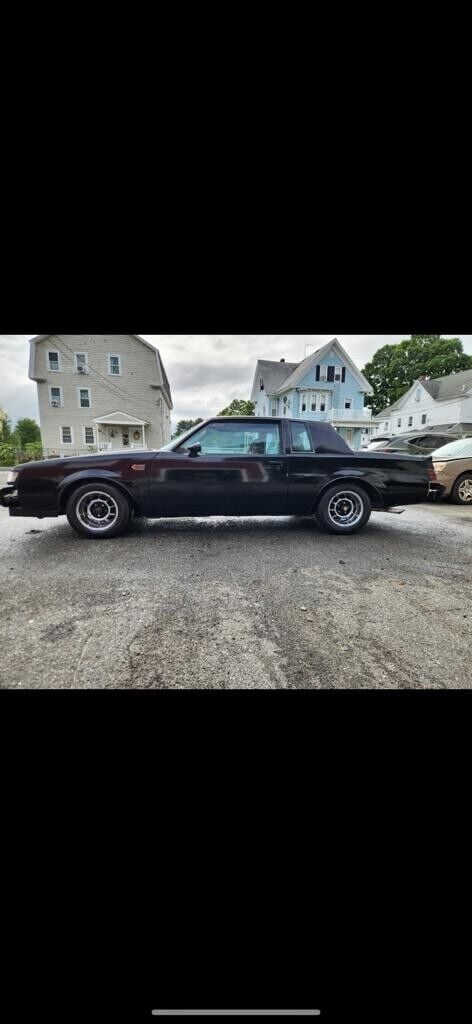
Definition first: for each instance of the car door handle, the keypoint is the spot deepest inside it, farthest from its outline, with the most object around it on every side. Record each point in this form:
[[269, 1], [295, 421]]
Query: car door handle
[[276, 462]]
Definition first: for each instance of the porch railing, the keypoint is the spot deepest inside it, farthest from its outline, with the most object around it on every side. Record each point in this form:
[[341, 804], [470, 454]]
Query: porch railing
[[363, 415]]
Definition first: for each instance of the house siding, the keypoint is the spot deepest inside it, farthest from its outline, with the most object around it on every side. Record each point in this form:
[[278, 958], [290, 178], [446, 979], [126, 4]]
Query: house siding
[[455, 410], [131, 392]]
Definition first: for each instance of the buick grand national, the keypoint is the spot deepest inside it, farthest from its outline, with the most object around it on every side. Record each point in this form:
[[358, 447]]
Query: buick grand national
[[227, 466]]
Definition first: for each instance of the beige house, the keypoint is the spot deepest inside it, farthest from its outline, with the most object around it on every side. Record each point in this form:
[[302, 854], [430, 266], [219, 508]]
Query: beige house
[[100, 392]]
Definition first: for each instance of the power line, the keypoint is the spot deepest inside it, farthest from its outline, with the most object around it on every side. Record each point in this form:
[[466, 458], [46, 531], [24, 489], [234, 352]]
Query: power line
[[107, 383]]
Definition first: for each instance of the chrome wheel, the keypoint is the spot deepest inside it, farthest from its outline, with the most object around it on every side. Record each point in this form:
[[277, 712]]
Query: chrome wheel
[[97, 511], [345, 508], [464, 490]]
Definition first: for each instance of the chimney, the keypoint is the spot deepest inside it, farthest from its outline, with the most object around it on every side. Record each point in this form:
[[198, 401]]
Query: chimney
[[282, 360]]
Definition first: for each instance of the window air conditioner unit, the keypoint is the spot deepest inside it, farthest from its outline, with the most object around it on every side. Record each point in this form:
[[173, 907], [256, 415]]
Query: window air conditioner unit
[[83, 369], [56, 405]]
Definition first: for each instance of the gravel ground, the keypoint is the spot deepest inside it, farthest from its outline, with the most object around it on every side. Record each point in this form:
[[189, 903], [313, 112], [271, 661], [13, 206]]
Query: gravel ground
[[239, 603]]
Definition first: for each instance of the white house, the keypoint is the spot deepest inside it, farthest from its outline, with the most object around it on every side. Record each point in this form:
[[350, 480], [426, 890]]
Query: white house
[[437, 402], [100, 391], [326, 385]]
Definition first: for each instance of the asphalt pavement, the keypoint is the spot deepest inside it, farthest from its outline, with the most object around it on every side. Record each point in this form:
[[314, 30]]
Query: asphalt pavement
[[239, 603]]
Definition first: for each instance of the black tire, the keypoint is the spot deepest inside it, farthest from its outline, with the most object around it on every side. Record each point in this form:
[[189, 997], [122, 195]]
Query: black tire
[[87, 511], [343, 501], [463, 484]]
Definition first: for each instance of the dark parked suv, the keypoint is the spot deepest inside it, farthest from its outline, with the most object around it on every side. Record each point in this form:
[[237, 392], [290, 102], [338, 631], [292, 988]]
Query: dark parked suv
[[416, 443]]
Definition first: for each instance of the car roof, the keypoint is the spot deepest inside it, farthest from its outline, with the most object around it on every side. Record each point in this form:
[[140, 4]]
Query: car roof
[[420, 433]]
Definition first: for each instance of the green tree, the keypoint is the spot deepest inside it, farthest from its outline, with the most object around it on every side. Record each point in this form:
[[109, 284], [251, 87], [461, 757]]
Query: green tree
[[6, 433], [184, 425], [27, 432], [394, 368], [238, 407]]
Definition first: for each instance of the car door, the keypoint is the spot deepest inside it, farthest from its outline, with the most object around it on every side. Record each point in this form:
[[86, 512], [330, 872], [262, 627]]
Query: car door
[[239, 470]]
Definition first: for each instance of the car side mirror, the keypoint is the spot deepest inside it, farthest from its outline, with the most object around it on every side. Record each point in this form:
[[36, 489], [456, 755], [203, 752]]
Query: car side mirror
[[194, 450]]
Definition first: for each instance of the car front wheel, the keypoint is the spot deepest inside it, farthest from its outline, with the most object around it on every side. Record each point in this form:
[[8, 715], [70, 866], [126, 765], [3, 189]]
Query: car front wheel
[[343, 508], [98, 511], [462, 490]]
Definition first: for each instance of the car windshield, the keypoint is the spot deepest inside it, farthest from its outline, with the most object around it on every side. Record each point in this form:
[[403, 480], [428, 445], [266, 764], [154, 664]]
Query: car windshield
[[455, 449], [177, 440]]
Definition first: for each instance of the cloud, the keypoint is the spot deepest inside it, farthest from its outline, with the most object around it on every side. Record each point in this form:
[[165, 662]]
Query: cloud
[[205, 371], [18, 394]]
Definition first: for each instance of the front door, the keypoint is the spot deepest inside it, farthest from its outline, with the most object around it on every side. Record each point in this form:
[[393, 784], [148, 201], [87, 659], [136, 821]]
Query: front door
[[118, 437], [240, 471]]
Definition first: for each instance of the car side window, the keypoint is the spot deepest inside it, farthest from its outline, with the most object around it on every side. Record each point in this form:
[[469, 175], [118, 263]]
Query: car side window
[[400, 445], [236, 439], [300, 438]]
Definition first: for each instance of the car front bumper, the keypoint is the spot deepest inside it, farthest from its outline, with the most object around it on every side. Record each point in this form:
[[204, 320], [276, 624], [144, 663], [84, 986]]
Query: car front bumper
[[10, 500]]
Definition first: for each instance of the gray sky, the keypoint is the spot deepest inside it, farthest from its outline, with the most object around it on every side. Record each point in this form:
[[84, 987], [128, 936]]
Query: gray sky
[[205, 371]]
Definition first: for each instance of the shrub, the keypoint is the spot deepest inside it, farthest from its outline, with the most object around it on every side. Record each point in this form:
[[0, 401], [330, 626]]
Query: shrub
[[7, 455]]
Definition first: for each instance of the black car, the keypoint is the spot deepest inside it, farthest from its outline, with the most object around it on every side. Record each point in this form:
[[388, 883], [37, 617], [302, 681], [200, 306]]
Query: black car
[[232, 466], [416, 443]]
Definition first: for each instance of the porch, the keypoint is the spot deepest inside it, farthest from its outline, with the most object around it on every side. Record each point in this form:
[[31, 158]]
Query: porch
[[119, 430]]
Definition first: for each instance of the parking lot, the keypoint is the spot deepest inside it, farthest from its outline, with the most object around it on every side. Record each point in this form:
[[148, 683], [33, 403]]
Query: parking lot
[[237, 603]]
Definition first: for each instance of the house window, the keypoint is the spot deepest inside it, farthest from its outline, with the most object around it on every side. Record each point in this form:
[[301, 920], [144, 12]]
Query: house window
[[81, 364], [89, 433], [348, 403], [274, 410], [303, 403], [323, 373], [263, 410], [337, 373], [114, 366], [410, 421], [423, 418], [417, 394], [313, 406], [53, 360], [331, 374], [84, 398], [55, 397], [399, 421], [322, 404], [66, 435], [386, 425]]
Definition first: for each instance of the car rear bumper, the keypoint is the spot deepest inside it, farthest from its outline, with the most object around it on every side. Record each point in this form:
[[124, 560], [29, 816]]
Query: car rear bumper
[[435, 490]]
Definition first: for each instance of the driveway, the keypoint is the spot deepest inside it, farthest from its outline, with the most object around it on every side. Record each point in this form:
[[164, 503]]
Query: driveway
[[236, 603]]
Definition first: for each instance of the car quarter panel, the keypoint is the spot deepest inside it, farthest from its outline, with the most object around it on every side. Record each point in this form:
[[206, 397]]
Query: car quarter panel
[[390, 480]]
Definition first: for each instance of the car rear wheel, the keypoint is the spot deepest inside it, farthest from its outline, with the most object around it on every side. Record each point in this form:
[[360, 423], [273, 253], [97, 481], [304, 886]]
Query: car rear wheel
[[343, 508], [98, 511], [462, 491]]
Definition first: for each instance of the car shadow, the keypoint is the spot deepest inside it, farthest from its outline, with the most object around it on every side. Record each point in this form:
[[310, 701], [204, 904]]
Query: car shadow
[[239, 524]]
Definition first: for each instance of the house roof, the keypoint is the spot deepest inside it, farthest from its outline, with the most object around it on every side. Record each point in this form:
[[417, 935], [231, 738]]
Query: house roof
[[121, 419], [455, 385], [279, 377], [311, 361], [163, 381], [273, 374], [441, 389]]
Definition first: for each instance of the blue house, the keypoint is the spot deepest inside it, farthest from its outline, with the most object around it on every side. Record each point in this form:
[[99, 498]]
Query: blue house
[[325, 386]]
